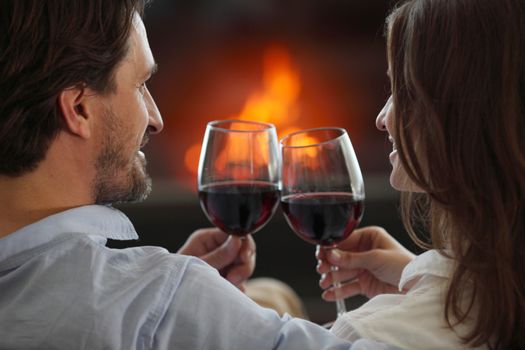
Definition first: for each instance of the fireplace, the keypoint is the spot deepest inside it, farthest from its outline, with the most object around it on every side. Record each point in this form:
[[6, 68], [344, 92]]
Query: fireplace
[[296, 64]]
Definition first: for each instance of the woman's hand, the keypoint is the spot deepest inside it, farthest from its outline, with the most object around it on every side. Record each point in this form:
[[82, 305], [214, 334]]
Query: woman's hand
[[232, 256], [369, 260]]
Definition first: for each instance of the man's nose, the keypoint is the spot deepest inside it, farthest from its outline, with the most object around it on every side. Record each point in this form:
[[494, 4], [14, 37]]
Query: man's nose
[[155, 119]]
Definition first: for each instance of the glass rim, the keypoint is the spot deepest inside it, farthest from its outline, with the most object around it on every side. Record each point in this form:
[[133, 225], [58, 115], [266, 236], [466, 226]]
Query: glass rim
[[328, 128], [214, 125]]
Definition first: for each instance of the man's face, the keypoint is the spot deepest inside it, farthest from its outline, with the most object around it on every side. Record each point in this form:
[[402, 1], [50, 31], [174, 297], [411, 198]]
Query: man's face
[[130, 114]]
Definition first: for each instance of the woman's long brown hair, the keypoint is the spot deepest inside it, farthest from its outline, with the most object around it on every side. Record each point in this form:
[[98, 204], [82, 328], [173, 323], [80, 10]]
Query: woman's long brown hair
[[457, 71]]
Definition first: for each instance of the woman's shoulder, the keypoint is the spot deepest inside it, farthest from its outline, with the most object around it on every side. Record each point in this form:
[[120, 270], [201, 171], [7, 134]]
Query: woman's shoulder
[[432, 263]]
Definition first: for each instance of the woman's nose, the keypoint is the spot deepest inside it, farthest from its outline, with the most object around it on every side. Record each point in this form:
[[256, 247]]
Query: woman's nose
[[381, 117]]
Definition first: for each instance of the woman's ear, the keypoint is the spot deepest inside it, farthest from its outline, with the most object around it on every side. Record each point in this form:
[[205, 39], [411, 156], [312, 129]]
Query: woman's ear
[[73, 103]]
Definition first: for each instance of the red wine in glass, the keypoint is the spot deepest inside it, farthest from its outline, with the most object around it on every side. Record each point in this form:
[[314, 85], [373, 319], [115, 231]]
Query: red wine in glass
[[239, 208], [239, 175], [322, 190], [323, 218]]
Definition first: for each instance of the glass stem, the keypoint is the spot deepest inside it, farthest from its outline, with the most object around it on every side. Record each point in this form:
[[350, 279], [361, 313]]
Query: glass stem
[[339, 300]]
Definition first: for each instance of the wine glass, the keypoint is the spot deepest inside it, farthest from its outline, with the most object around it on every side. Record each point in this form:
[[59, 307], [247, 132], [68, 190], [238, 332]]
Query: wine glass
[[239, 175], [322, 189]]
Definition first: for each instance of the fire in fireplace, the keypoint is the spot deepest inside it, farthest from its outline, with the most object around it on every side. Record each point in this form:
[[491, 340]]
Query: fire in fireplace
[[294, 64]]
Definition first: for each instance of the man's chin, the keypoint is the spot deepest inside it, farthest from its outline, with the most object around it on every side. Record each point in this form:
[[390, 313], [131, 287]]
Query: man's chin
[[140, 191], [137, 189]]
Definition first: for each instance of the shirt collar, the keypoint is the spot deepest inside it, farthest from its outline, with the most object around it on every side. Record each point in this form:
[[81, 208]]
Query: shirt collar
[[95, 221]]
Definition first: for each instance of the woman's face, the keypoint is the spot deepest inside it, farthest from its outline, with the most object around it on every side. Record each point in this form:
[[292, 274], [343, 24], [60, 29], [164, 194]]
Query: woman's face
[[398, 178]]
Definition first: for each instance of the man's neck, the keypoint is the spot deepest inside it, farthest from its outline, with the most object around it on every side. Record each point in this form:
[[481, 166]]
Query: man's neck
[[35, 196], [61, 181], [14, 219]]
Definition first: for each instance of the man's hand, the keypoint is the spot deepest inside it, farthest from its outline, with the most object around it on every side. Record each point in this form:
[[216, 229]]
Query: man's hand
[[370, 260], [232, 256]]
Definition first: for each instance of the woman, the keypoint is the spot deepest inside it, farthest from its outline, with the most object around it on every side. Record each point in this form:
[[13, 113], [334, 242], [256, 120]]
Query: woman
[[456, 119]]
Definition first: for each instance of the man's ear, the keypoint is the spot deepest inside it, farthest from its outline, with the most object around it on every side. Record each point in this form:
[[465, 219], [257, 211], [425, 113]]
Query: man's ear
[[74, 107]]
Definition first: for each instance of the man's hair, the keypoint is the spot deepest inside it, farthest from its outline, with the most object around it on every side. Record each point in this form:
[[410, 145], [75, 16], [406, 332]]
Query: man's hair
[[46, 47], [457, 70]]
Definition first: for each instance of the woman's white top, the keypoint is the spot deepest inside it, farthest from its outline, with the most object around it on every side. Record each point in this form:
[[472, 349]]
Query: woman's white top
[[414, 320]]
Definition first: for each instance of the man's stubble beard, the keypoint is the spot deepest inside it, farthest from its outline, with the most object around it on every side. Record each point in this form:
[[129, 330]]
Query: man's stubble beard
[[116, 180]]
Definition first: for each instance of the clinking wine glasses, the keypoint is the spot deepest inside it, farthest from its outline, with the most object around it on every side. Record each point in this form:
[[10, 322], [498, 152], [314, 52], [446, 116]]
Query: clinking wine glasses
[[322, 189]]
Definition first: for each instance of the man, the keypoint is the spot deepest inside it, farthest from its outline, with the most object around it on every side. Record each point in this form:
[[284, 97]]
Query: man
[[74, 113]]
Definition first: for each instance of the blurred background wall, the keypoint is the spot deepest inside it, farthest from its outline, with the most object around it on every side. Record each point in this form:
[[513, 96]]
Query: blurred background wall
[[295, 63]]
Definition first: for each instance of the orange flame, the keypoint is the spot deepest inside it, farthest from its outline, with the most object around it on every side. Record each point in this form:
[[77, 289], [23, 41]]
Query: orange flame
[[243, 157], [275, 103], [303, 140]]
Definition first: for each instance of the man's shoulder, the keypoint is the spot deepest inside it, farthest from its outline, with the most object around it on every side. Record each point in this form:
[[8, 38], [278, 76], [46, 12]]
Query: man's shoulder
[[84, 266], [88, 288], [127, 262]]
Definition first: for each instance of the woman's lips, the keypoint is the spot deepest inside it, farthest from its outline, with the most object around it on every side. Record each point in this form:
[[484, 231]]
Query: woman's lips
[[392, 154]]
